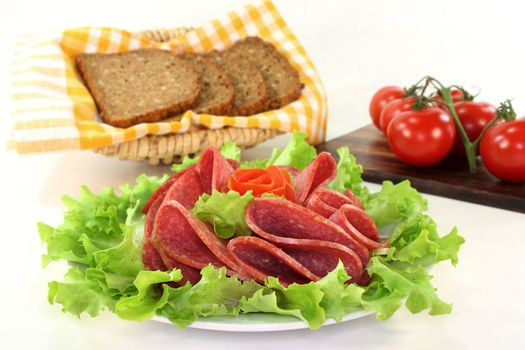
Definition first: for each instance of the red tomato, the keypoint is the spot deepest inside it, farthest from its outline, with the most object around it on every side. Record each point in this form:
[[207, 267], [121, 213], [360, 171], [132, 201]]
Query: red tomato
[[270, 180], [457, 96], [380, 99], [392, 109], [473, 116], [422, 138], [502, 150]]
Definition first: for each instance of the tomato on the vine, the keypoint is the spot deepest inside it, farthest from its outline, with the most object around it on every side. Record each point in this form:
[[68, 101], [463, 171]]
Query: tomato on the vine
[[502, 150], [474, 116], [422, 138], [393, 108], [457, 96], [380, 99]]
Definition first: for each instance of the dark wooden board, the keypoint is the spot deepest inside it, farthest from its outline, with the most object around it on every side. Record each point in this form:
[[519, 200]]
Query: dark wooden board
[[451, 178]]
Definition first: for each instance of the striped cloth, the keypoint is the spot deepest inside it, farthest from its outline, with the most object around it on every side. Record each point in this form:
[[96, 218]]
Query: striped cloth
[[52, 109]]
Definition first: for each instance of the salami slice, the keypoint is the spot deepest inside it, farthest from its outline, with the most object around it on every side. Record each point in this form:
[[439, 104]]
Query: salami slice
[[186, 189], [186, 239], [190, 274], [161, 191], [273, 219], [359, 225], [235, 164], [214, 170], [354, 199], [260, 259], [153, 260], [151, 257], [150, 218], [320, 172], [326, 202], [321, 257]]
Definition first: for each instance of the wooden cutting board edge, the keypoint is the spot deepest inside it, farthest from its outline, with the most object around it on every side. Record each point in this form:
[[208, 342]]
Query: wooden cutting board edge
[[371, 150]]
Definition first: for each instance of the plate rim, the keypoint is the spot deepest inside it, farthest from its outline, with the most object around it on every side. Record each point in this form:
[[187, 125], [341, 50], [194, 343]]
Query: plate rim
[[236, 324]]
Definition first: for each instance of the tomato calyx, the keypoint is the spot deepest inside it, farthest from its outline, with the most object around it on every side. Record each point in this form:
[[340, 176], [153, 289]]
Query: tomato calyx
[[506, 111]]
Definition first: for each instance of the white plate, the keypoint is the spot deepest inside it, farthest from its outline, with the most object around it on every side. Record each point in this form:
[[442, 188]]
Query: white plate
[[258, 322]]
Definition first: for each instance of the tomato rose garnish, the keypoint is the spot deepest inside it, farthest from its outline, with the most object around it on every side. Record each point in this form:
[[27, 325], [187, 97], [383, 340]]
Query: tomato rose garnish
[[272, 180]]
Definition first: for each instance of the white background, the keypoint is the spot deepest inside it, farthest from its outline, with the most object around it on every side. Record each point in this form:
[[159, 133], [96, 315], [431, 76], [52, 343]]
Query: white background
[[357, 46]]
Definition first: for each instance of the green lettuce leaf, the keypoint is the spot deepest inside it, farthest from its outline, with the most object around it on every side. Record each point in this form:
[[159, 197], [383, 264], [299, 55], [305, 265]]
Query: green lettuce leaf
[[225, 211], [254, 163], [299, 300], [102, 235], [124, 259], [297, 153], [349, 175], [394, 203], [381, 300], [414, 285], [337, 297], [231, 151], [150, 296], [94, 222], [82, 291], [215, 294], [141, 192], [416, 241]]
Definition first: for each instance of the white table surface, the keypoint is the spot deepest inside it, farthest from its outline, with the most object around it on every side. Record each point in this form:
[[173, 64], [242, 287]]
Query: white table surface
[[357, 47]]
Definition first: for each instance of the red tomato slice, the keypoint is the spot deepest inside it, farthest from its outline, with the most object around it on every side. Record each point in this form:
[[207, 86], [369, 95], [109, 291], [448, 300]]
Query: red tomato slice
[[270, 180]]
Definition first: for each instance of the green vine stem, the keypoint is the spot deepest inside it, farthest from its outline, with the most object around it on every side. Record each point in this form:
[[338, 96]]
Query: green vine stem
[[470, 148]]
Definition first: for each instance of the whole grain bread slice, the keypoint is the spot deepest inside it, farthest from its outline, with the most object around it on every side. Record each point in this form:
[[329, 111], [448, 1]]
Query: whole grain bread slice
[[282, 79], [217, 91], [251, 94], [138, 86]]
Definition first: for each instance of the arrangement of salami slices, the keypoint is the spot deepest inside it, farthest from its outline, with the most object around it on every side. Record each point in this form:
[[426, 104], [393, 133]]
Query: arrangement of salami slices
[[295, 241]]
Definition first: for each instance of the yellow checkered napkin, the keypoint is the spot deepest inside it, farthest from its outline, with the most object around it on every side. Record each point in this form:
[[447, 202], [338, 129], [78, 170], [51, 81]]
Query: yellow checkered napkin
[[52, 109]]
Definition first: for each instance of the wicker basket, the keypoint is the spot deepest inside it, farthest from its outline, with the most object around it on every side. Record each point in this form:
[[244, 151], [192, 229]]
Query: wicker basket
[[171, 148]]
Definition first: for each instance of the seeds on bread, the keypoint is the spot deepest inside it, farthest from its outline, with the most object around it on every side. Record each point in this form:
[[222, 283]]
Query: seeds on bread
[[251, 95], [217, 91], [282, 80], [138, 86], [151, 85]]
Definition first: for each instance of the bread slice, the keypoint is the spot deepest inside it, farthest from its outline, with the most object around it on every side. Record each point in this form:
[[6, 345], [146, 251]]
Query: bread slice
[[282, 80], [139, 86], [251, 95], [216, 87]]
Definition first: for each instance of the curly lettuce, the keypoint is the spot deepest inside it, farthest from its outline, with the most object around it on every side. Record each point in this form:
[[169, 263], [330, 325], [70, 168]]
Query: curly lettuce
[[225, 211], [102, 236]]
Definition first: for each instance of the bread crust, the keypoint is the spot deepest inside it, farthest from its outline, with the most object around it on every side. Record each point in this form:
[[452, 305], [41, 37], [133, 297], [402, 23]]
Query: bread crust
[[242, 73], [212, 75], [249, 47], [123, 121]]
